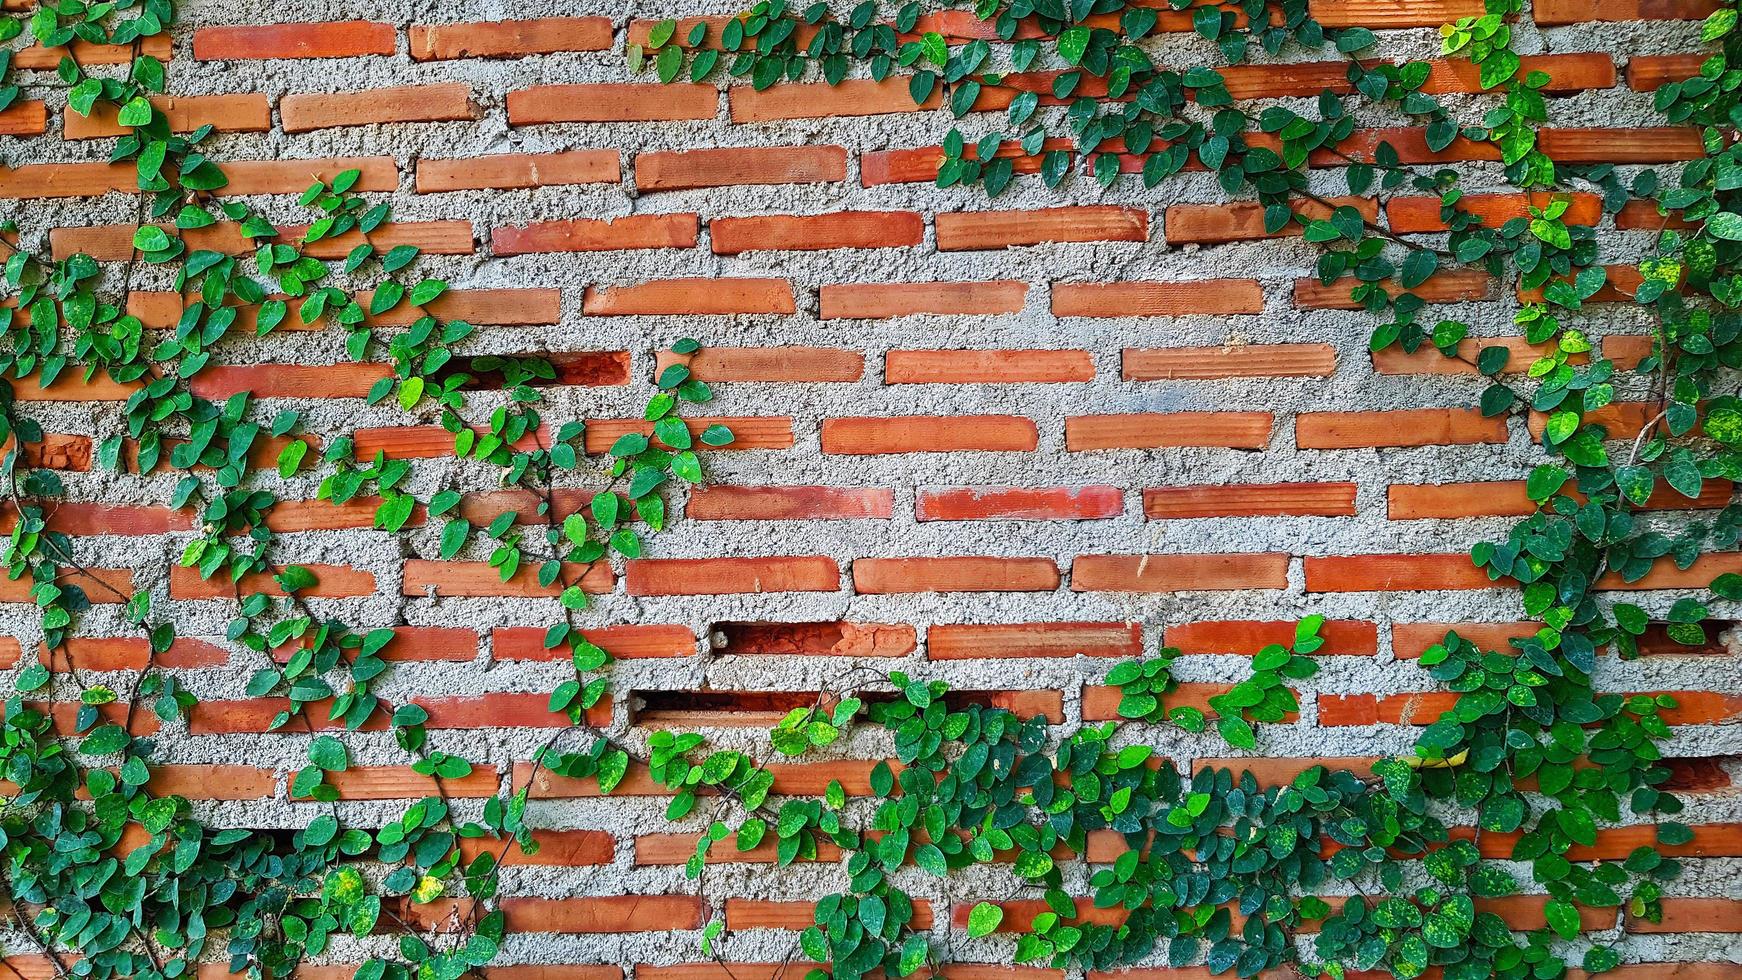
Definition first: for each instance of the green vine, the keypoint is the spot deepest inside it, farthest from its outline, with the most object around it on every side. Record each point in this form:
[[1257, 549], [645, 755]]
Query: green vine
[[108, 879]]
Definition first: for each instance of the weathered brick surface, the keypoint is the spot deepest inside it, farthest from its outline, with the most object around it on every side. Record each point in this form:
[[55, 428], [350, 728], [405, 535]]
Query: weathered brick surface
[[999, 442]]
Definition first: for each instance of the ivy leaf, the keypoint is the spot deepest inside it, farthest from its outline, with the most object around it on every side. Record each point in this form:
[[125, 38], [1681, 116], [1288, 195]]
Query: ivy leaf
[[983, 919], [1236, 732], [1073, 44]]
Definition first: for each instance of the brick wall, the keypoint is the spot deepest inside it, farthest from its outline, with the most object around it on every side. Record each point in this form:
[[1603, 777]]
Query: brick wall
[[1001, 443]]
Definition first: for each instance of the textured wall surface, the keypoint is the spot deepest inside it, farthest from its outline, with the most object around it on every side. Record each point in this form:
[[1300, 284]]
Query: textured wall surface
[[997, 442]]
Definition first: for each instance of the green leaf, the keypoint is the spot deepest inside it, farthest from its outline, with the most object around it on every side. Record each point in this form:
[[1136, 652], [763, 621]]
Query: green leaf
[[1236, 732], [983, 919]]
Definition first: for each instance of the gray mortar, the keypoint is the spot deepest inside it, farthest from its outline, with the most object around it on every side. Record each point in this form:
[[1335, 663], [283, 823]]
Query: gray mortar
[[1275, 264]]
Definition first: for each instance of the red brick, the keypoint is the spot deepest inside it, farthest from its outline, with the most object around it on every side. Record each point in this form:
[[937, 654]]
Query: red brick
[[10, 652], [811, 232], [1178, 573], [1693, 915], [1558, 12], [476, 578], [750, 913], [675, 170], [510, 38], [1396, 573], [733, 503], [966, 230], [612, 102], [691, 297], [880, 301], [98, 583], [1424, 708], [185, 113], [634, 231], [1019, 504], [892, 576], [1643, 144], [1232, 430], [1342, 637], [929, 434], [509, 171], [811, 100], [1428, 359], [1236, 361], [626, 642], [110, 653], [1129, 299], [777, 364], [351, 380], [987, 366], [1251, 500], [1101, 702], [993, 641], [831, 639], [1622, 420], [418, 644], [82, 518], [245, 177], [333, 39], [1665, 575], [731, 576], [1405, 427], [440, 102]]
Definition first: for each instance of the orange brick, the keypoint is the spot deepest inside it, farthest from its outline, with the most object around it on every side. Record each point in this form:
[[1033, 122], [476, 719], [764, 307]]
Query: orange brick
[[1644, 144], [810, 100], [1236, 221], [418, 644], [29, 118], [611, 102], [82, 518], [967, 230], [1234, 361], [1178, 573], [1448, 286], [1422, 214], [186, 113], [1693, 915], [749, 913], [1404, 427], [776, 364], [929, 434], [1342, 637], [1251, 500], [675, 170], [1408, 640], [509, 171], [245, 177], [440, 102], [400, 783], [1650, 72], [476, 578], [1666, 576], [1391, 13], [1128, 299], [1429, 360], [114, 243], [492, 307], [811, 232], [893, 576], [963, 642], [510, 38], [1279, 772], [634, 231], [1559, 12], [505, 709], [729, 503], [987, 366], [1395, 573], [1019, 504], [691, 297], [749, 432], [626, 642], [1231, 430], [38, 58], [556, 848], [731, 576], [333, 39], [830, 639], [880, 301], [110, 653], [331, 582]]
